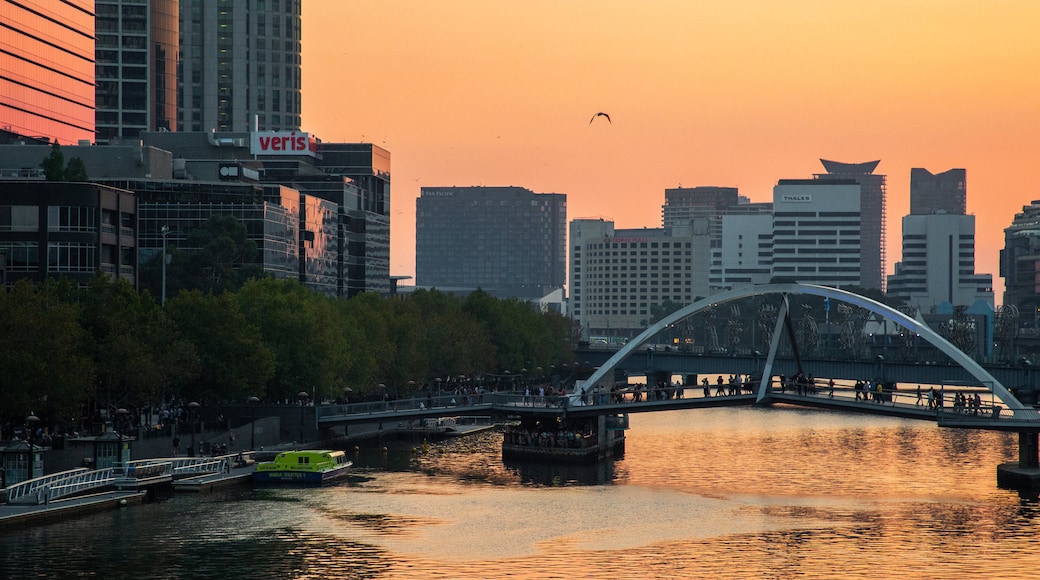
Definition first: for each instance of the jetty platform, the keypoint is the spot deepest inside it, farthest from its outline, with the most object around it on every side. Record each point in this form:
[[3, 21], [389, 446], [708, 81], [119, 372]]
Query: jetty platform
[[12, 515]]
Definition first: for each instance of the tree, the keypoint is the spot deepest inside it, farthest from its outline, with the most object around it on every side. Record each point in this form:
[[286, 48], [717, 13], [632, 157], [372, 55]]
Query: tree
[[76, 170], [455, 341], [234, 363], [54, 164], [43, 356], [136, 353], [298, 326], [54, 168]]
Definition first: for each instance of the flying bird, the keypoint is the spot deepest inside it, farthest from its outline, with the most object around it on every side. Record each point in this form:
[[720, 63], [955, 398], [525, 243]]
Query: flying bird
[[600, 114]]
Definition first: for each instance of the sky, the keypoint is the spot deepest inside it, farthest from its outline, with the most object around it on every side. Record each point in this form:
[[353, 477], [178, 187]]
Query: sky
[[737, 93]]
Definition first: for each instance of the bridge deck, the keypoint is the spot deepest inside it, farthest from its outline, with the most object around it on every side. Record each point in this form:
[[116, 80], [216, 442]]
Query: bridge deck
[[906, 404]]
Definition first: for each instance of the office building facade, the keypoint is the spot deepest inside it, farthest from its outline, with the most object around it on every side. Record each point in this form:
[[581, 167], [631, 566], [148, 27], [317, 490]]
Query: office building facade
[[508, 241], [295, 234], [1020, 263], [136, 52], [240, 66], [72, 230], [937, 271], [817, 231], [47, 59], [620, 278], [354, 177], [364, 204], [683, 204], [872, 215], [938, 264], [944, 192], [744, 256]]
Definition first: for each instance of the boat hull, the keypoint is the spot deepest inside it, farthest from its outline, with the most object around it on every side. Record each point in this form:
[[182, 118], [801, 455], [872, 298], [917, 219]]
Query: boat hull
[[299, 476]]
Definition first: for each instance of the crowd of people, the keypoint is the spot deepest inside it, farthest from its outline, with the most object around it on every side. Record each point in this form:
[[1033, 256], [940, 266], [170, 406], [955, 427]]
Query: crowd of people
[[540, 434]]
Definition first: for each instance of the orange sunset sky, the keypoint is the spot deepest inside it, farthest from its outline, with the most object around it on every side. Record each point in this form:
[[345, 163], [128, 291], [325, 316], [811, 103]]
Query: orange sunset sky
[[734, 93]]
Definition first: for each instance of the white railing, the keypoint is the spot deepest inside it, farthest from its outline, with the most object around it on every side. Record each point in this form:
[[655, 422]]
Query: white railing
[[56, 485], [59, 485]]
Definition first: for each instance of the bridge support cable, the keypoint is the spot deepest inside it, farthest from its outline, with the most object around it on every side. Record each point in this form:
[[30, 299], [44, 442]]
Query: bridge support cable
[[765, 384]]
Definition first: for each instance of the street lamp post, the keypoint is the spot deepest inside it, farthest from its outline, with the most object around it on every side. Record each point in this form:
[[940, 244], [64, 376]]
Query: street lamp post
[[193, 411], [165, 230], [252, 423], [30, 420]]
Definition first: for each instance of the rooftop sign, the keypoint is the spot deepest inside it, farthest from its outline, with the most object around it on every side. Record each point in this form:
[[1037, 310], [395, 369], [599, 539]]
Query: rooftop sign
[[283, 143]]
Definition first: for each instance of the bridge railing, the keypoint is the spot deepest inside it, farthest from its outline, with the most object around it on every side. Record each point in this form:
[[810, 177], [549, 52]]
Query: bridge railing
[[991, 413], [56, 485], [399, 405]]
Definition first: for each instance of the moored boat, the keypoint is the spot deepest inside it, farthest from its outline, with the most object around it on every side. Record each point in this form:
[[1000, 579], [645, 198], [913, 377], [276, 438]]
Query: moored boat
[[310, 466]]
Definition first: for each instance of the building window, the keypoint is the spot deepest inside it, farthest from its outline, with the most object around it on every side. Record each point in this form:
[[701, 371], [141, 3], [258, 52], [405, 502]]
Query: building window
[[19, 218], [71, 219], [71, 257], [21, 256]]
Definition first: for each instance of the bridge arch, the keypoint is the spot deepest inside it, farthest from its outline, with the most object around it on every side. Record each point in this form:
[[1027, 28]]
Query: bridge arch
[[958, 356]]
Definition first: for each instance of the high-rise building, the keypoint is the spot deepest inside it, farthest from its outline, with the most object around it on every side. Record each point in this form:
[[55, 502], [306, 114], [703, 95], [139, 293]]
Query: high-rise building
[[938, 264], [938, 192], [240, 66], [619, 278], [1020, 262], [136, 67], [508, 241], [872, 216], [47, 64], [817, 231]]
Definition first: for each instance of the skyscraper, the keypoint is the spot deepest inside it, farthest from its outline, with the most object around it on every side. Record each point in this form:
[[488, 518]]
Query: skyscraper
[[136, 67], [938, 192], [240, 62], [47, 59], [508, 241], [872, 216], [938, 265]]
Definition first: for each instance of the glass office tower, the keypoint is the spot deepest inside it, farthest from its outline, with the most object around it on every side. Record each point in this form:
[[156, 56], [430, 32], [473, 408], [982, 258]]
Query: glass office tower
[[47, 59]]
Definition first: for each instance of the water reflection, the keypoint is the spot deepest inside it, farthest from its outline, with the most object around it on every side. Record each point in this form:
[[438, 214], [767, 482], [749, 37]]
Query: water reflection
[[723, 493]]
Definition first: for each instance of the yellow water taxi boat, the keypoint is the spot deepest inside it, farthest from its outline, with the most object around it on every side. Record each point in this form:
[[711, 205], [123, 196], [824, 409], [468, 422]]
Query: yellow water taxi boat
[[317, 466]]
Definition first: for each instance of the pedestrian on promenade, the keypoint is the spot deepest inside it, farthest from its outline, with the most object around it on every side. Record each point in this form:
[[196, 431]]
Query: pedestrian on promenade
[[176, 446]]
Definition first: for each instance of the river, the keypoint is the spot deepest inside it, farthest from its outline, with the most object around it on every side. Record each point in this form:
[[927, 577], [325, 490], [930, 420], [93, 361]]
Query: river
[[706, 493]]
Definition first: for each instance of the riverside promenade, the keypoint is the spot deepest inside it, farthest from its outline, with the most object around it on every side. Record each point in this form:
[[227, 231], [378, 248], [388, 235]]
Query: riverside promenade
[[131, 493]]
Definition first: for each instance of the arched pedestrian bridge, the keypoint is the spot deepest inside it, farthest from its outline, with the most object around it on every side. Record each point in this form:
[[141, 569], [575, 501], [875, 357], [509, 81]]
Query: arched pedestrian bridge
[[980, 402]]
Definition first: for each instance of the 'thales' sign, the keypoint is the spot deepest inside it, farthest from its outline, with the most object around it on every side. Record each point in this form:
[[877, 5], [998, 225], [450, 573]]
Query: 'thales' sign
[[283, 143]]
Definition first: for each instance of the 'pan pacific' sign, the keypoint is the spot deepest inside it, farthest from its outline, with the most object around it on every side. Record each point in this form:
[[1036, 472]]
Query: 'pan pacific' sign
[[283, 143]]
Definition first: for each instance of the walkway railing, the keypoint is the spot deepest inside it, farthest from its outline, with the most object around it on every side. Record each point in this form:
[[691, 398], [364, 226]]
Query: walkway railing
[[941, 406], [57, 485], [191, 466]]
